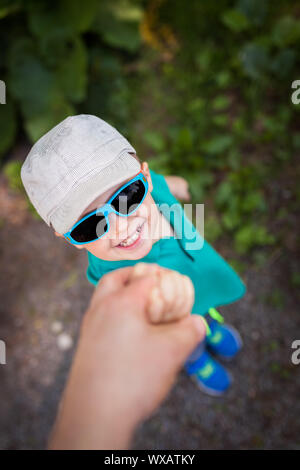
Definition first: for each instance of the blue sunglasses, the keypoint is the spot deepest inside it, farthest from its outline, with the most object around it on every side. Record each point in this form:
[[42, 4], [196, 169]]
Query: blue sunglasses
[[123, 203]]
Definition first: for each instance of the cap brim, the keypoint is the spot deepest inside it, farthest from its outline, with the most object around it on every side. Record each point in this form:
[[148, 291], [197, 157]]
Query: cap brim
[[91, 187]]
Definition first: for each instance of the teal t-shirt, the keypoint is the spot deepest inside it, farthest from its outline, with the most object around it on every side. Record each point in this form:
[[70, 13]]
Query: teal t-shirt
[[215, 282]]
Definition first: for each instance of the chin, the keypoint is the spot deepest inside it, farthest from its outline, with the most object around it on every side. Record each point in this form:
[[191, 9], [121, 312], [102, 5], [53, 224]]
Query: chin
[[136, 253], [143, 252]]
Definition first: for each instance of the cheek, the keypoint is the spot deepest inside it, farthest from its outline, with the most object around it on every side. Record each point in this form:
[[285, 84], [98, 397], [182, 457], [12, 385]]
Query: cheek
[[100, 248], [151, 212], [147, 209]]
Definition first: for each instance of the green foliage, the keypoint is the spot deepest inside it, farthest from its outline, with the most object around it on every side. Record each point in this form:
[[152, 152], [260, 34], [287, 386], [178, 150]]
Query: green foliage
[[8, 126], [118, 25], [235, 127], [52, 71], [12, 171], [218, 144], [217, 110], [213, 228], [235, 20], [252, 235]]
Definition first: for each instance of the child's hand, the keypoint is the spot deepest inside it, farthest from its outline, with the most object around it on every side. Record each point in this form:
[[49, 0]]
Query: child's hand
[[171, 298], [179, 187]]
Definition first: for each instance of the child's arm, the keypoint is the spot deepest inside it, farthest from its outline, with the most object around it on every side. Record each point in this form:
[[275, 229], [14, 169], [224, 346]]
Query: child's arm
[[179, 187]]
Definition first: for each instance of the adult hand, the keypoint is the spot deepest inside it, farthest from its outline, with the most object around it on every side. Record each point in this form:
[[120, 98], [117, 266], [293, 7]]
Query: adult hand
[[123, 367]]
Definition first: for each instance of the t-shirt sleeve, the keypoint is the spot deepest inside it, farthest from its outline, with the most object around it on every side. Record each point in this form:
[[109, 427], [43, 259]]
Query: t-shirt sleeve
[[94, 271]]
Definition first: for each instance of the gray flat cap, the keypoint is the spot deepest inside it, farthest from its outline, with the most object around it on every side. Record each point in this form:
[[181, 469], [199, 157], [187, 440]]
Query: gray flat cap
[[73, 164]]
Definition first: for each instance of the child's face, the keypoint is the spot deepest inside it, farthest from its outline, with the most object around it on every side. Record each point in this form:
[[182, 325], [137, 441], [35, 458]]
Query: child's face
[[145, 219]]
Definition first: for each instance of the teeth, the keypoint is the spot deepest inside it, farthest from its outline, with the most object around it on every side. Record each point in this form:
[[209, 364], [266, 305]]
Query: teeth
[[132, 239]]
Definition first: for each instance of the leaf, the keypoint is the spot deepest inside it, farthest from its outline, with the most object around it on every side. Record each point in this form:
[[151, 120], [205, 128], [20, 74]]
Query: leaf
[[9, 7], [221, 120], [218, 144], [239, 126], [116, 32], [127, 10], [231, 220], [255, 10], [220, 103], [204, 58], [253, 201], [286, 31], [235, 20], [184, 140], [8, 126], [38, 125], [155, 140], [283, 63], [212, 229], [255, 60], [198, 183], [62, 18], [72, 74], [234, 158], [31, 83], [160, 164], [37, 89], [108, 94], [223, 79], [224, 193], [250, 236], [196, 105], [12, 171]]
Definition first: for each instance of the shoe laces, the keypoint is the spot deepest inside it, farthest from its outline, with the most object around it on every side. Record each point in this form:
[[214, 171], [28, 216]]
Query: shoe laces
[[215, 315]]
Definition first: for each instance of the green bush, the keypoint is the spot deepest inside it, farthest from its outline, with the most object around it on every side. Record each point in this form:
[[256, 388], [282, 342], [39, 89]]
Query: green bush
[[235, 127], [216, 109], [50, 69]]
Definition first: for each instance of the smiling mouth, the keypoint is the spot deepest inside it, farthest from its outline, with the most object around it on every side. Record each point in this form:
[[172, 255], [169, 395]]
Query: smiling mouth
[[129, 241]]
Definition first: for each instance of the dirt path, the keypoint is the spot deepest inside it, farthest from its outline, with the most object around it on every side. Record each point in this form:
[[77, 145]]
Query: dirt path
[[44, 289]]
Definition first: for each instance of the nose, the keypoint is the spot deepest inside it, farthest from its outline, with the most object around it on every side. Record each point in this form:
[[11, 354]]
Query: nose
[[118, 225]]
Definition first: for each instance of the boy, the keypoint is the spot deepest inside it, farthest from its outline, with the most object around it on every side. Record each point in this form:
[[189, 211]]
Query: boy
[[85, 180]]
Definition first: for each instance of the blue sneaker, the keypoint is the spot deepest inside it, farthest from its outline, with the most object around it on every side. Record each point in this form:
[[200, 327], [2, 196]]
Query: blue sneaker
[[209, 375], [223, 340]]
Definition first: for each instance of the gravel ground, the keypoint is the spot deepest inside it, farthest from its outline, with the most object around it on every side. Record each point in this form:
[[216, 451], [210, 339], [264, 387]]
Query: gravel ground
[[44, 293]]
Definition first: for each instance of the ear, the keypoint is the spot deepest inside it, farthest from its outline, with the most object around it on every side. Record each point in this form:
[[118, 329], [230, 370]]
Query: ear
[[146, 171]]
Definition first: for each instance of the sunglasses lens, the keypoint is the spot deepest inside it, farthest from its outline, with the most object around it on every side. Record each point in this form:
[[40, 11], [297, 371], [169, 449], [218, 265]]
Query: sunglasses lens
[[90, 229], [130, 198]]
